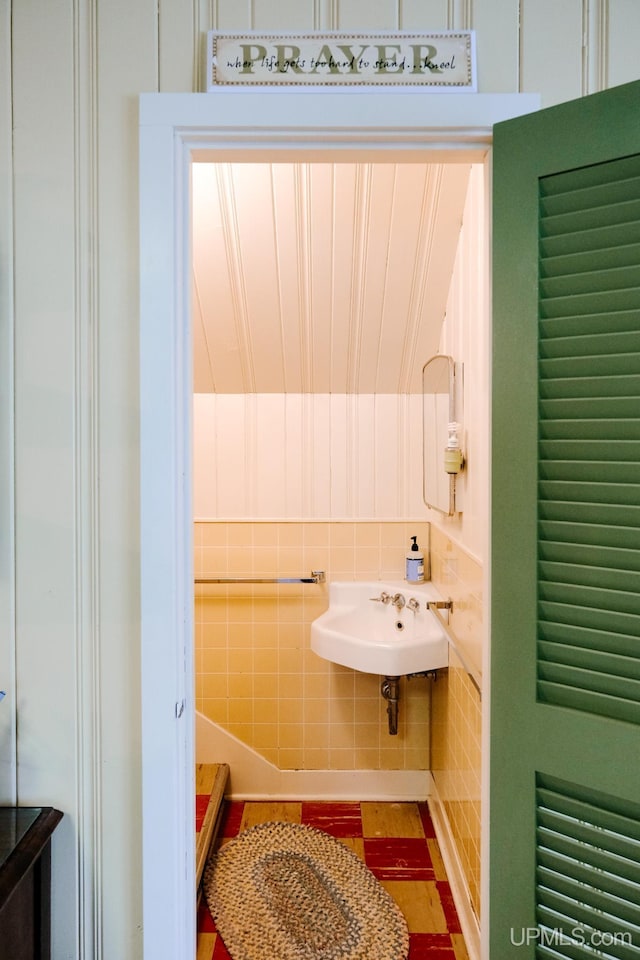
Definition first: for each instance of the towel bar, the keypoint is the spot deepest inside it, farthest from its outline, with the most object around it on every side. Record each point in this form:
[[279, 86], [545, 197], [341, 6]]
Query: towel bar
[[317, 576], [435, 608]]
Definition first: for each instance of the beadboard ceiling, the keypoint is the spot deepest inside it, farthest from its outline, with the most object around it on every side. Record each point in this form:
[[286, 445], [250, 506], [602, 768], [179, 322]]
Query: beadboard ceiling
[[321, 277]]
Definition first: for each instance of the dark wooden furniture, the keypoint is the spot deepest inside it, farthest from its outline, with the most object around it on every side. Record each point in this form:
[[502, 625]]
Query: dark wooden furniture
[[25, 882]]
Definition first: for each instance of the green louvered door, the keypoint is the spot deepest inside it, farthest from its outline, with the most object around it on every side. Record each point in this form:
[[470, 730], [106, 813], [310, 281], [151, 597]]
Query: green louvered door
[[565, 599]]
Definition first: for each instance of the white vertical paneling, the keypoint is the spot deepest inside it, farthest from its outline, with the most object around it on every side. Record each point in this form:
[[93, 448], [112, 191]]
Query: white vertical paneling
[[340, 454], [387, 467], [375, 299], [594, 54], [551, 49], [68, 209], [271, 458], [415, 459], [343, 247], [290, 16], [324, 19], [203, 381], [359, 274], [295, 456], [205, 462], [290, 225], [228, 249], [466, 338], [8, 711], [314, 276], [475, 305], [90, 679], [402, 448], [441, 216], [460, 16], [362, 16], [215, 257], [126, 63], [308, 456], [497, 29], [620, 39], [232, 487], [423, 15], [230, 14], [49, 505], [321, 228], [257, 263], [366, 481], [406, 267], [181, 50], [318, 415]]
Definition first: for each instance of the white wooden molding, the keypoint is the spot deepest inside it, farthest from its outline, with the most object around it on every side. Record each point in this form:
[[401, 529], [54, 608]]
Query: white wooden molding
[[175, 130]]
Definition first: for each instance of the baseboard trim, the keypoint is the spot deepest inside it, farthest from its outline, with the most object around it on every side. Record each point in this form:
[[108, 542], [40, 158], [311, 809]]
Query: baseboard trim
[[254, 778], [455, 874]]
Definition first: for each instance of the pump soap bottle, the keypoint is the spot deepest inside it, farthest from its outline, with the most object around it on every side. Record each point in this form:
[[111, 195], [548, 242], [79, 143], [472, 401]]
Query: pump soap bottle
[[414, 571]]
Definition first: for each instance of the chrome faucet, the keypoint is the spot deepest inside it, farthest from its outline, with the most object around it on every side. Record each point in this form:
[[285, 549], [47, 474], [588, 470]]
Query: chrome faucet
[[398, 601], [413, 604], [383, 598]]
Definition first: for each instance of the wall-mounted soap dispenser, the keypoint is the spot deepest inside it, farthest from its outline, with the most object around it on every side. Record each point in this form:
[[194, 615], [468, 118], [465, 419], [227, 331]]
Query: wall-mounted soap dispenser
[[414, 567], [453, 457]]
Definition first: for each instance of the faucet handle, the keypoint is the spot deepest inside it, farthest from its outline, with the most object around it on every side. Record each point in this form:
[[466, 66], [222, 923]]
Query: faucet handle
[[398, 601], [383, 598], [413, 604]]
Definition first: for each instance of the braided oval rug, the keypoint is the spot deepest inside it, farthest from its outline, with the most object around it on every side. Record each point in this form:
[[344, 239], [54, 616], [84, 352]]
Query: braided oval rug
[[285, 891]]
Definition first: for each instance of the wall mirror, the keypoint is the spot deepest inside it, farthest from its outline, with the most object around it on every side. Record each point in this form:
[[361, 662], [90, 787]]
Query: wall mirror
[[441, 406]]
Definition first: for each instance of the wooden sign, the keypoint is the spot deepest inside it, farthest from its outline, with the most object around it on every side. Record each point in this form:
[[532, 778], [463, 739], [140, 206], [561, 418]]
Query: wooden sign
[[443, 62]]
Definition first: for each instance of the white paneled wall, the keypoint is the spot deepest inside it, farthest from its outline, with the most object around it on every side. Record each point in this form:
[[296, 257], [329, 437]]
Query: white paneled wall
[[308, 456], [71, 72], [8, 718], [466, 337], [321, 277], [560, 50]]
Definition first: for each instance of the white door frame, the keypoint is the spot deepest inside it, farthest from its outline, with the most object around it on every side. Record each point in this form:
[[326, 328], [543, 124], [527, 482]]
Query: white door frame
[[175, 130]]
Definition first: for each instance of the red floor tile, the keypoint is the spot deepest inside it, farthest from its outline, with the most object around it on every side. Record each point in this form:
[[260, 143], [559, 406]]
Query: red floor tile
[[337, 819], [430, 946], [205, 920], [231, 818], [389, 858], [220, 952], [398, 858], [202, 802], [427, 823], [448, 906]]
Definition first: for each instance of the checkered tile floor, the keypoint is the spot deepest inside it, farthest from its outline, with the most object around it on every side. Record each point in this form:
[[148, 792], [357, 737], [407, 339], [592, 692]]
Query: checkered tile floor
[[398, 844]]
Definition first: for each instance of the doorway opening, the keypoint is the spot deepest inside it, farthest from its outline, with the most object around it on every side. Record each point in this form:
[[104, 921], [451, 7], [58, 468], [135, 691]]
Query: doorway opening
[[176, 131]]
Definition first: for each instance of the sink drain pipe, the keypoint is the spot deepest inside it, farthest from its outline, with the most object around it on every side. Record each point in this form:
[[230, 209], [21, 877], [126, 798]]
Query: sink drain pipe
[[390, 690]]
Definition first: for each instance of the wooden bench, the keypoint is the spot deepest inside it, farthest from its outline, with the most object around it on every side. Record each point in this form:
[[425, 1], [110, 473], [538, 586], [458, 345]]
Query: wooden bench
[[211, 783]]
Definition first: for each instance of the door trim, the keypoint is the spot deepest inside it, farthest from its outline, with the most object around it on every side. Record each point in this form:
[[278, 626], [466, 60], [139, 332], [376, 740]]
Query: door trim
[[176, 130]]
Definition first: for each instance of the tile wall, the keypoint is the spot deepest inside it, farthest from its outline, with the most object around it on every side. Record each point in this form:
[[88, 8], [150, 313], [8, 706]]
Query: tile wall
[[457, 716], [256, 675]]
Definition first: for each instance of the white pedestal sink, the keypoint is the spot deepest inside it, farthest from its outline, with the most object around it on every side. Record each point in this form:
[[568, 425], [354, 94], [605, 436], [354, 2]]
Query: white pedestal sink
[[381, 627]]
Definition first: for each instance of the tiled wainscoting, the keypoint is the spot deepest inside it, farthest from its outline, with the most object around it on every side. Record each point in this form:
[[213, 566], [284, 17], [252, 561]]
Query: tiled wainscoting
[[457, 710], [256, 675]]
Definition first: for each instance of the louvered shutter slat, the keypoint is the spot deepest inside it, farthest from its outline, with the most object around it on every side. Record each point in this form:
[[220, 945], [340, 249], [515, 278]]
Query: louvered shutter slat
[[589, 440], [587, 871]]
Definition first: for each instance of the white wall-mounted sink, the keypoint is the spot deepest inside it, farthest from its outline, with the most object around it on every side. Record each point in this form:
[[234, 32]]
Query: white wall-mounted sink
[[362, 631]]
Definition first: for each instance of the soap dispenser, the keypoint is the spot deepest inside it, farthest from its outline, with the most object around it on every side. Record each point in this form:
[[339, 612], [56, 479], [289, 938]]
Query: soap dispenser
[[414, 570], [453, 458]]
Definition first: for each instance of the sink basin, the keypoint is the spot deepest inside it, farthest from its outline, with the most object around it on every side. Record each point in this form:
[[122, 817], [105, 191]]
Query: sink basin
[[369, 635]]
